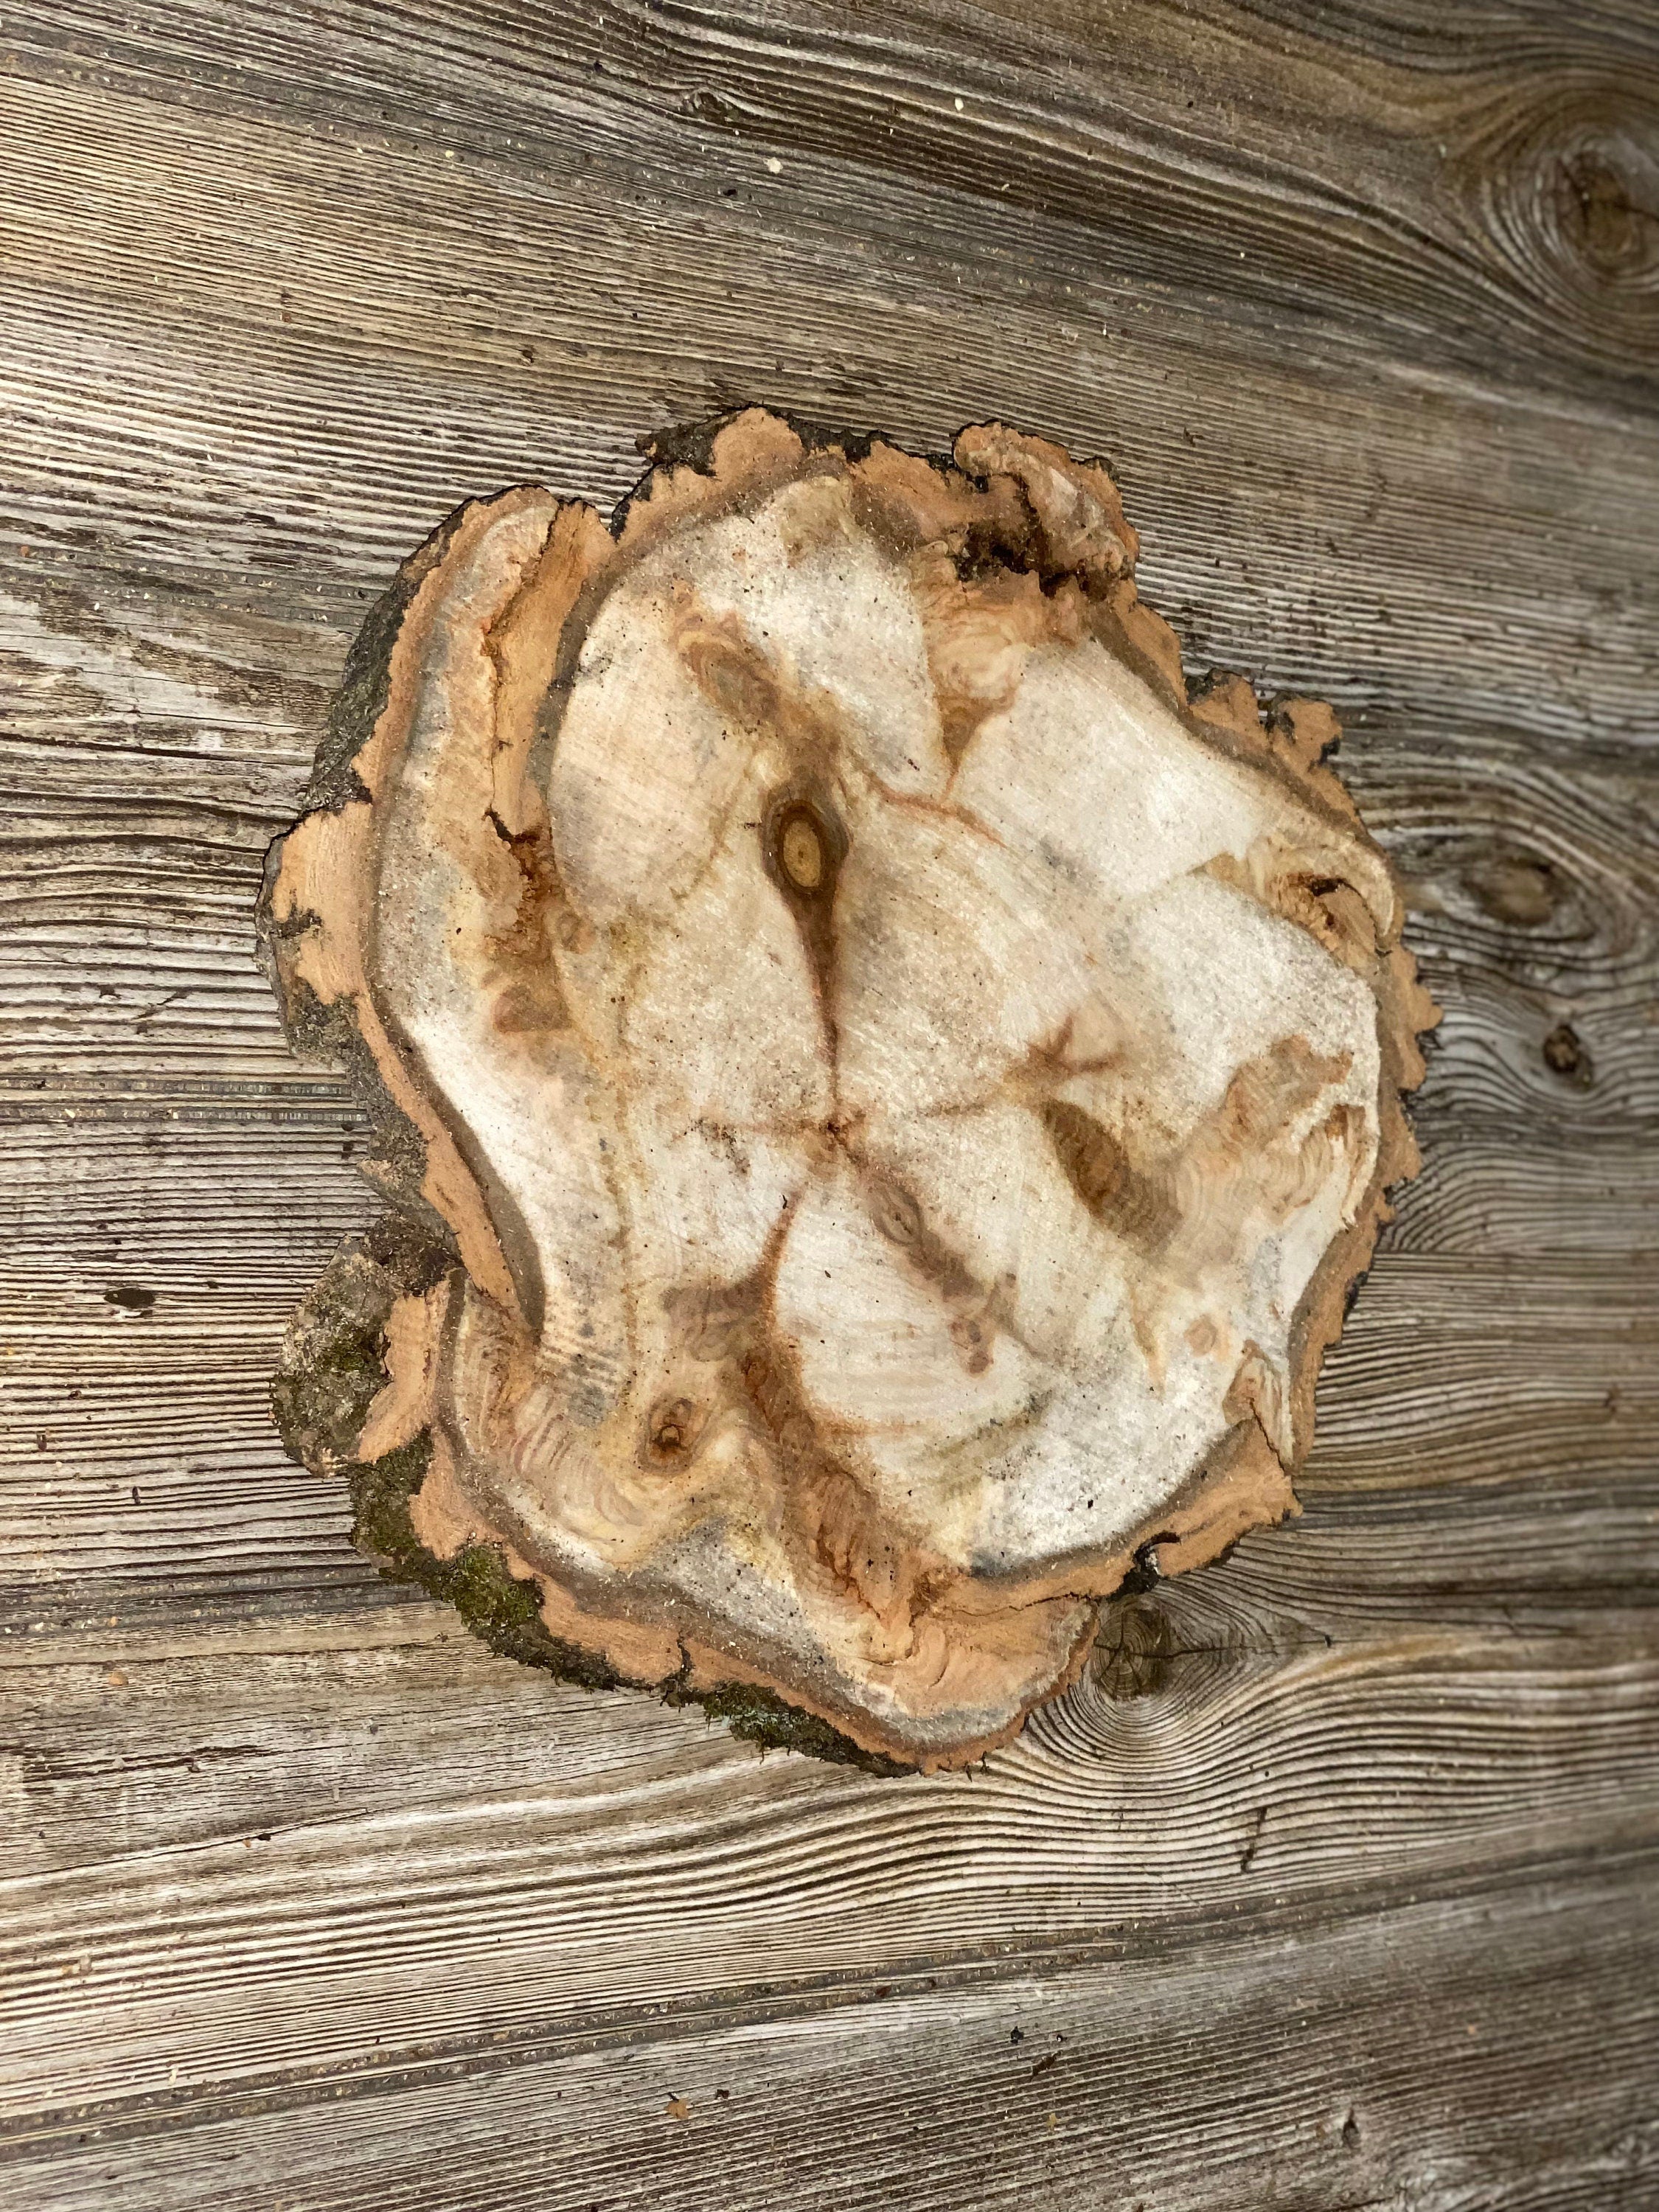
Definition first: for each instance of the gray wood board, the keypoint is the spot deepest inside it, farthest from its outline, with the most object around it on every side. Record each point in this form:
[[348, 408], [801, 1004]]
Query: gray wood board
[[1335, 1882]]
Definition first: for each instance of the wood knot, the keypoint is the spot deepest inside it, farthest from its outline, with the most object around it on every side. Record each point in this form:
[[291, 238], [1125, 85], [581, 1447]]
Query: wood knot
[[804, 845], [800, 851], [673, 1430], [1605, 217], [1520, 889], [1565, 1054], [894, 1212], [1133, 1656], [1569, 194]]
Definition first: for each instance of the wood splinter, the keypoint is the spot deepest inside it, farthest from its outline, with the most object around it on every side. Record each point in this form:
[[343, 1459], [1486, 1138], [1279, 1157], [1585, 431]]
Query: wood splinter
[[883, 1096]]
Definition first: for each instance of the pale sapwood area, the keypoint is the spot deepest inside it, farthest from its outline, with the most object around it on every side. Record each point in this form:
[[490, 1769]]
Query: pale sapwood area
[[905, 1091]]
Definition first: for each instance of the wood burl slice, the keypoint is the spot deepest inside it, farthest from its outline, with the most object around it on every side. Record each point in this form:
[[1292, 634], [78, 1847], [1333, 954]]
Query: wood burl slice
[[889, 1095]]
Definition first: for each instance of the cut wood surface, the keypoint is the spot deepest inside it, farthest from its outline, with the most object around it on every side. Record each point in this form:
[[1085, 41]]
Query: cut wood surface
[[904, 1090], [1332, 1882]]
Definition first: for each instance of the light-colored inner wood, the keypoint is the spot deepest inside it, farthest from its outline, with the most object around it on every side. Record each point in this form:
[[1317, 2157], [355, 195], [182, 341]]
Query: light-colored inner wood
[[922, 1083]]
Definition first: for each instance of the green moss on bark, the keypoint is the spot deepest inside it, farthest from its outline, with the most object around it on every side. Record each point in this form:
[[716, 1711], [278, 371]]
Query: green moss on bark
[[333, 1366], [333, 1362]]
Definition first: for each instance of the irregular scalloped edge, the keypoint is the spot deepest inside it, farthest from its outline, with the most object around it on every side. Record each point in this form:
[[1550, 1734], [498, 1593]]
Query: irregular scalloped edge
[[350, 1398]]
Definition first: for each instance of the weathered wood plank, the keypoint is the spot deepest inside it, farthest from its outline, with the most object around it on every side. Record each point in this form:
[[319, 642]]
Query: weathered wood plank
[[1285, 2065], [410, 1833], [1419, 480], [1409, 183], [1386, 564], [1360, 304]]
